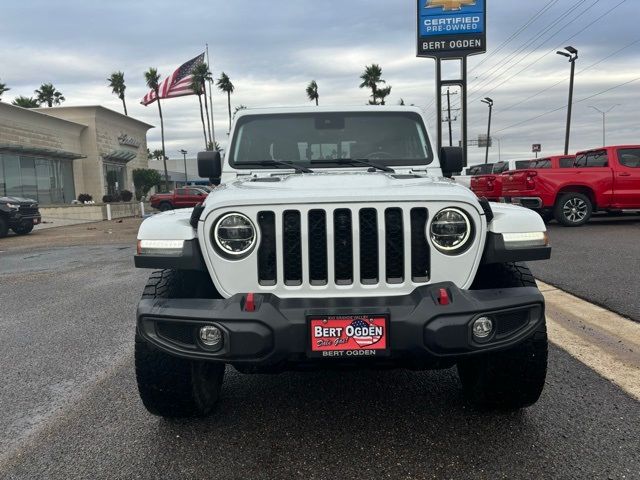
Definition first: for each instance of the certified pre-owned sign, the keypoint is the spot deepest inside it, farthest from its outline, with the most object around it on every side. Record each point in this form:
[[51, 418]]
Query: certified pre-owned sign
[[451, 28]]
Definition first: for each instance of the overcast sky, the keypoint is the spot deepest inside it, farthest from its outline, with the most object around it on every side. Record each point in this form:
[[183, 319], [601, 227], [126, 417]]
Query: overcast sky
[[272, 49]]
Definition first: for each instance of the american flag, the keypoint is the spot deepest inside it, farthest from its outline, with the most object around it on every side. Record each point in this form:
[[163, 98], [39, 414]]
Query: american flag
[[365, 340], [177, 84]]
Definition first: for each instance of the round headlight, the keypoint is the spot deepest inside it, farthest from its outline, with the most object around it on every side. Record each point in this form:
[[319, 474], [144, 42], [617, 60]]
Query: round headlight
[[450, 230], [234, 234]]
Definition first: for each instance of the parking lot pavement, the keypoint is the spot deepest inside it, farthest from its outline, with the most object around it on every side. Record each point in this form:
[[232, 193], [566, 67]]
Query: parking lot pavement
[[599, 262], [70, 407]]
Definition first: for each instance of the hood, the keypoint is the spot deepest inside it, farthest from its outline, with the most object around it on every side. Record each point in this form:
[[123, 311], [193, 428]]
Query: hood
[[18, 200], [338, 187]]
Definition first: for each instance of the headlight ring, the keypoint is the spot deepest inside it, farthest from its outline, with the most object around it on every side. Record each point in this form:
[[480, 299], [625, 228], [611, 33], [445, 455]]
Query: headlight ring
[[451, 231], [234, 235]]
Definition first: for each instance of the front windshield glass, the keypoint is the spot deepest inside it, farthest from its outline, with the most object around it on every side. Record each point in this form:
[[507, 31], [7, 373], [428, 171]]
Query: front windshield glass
[[388, 138]]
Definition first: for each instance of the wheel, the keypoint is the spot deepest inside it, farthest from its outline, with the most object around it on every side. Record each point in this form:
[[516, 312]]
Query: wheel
[[4, 227], [514, 378], [169, 386], [23, 229], [164, 206], [573, 209]]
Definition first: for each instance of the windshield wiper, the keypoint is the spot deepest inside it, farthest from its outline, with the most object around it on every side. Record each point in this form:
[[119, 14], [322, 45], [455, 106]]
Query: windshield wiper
[[357, 161], [279, 164]]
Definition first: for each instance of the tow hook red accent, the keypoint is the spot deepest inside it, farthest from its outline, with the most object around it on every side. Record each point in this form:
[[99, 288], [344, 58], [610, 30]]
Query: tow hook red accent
[[443, 297], [250, 303]]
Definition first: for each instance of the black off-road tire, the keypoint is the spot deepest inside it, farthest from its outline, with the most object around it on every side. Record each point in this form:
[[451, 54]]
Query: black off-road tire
[[4, 227], [573, 209], [23, 229], [165, 206], [514, 378], [169, 386]]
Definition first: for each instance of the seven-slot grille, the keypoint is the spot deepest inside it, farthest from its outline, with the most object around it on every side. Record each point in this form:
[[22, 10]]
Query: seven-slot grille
[[343, 246]]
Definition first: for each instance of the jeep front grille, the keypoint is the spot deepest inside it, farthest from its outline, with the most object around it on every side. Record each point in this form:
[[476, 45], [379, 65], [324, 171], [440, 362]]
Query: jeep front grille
[[343, 246]]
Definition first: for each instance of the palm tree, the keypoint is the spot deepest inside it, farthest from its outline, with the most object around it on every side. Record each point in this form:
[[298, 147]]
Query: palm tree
[[371, 77], [116, 82], [25, 102], [237, 109], [224, 84], [312, 92], [152, 77], [47, 94], [197, 86], [3, 89], [202, 74], [157, 154]]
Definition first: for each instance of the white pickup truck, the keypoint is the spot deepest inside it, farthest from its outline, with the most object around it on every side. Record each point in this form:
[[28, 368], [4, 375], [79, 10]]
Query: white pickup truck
[[337, 240]]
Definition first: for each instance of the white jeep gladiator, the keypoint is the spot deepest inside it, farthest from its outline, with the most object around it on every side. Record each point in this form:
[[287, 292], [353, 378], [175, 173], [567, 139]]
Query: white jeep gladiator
[[337, 240]]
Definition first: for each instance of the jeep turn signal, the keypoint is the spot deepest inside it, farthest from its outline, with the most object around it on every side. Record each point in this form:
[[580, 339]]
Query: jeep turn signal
[[160, 247], [525, 240]]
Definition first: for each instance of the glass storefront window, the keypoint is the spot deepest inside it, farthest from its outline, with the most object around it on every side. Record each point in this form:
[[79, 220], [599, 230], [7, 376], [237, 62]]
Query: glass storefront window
[[47, 180], [114, 178]]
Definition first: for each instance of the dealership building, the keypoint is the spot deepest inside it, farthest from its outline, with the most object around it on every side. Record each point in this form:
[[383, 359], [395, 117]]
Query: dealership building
[[54, 154]]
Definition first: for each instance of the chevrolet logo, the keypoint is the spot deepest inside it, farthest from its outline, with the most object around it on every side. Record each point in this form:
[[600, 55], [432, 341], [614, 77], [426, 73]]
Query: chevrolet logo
[[448, 5]]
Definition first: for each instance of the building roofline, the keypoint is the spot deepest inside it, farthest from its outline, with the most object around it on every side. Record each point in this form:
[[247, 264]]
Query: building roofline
[[98, 107], [39, 111]]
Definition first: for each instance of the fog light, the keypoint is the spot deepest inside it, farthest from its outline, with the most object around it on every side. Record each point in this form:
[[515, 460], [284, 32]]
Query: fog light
[[211, 336], [482, 328]]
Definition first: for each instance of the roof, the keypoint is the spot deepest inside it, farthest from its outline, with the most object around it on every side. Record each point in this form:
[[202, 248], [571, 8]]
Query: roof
[[94, 107], [332, 109], [39, 111]]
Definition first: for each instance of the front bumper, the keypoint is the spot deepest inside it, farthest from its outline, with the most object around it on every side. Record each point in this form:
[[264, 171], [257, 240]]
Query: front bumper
[[18, 218], [277, 332]]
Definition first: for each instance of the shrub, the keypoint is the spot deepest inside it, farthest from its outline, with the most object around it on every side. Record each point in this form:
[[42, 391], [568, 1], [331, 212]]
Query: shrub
[[84, 197], [107, 199], [126, 195]]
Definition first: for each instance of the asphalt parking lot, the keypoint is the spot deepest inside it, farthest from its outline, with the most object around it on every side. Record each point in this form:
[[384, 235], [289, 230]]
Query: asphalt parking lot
[[71, 410], [599, 262]]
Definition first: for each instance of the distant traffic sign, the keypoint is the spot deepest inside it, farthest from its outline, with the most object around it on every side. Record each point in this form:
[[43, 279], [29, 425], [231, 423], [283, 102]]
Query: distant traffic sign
[[536, 148], [451, 28]]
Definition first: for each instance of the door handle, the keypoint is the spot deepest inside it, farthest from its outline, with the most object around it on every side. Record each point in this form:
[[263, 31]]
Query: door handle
[[624, 174]]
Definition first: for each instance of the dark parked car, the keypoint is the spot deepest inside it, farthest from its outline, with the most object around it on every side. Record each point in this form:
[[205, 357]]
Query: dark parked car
[[18, 214]]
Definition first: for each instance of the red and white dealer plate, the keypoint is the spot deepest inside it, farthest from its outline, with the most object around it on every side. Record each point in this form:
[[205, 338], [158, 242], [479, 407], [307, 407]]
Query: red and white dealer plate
[[348, 335]]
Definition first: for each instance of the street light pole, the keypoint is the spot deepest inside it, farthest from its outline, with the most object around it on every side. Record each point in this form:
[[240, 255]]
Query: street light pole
[[572, 54], [604, 121], [184, 156], [489, 102]]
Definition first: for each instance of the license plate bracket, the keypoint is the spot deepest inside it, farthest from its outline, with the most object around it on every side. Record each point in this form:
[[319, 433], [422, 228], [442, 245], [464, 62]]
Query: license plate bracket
[[348, 336]]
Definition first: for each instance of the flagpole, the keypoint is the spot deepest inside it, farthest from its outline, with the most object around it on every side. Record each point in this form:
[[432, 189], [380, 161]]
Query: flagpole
[[213, 128]]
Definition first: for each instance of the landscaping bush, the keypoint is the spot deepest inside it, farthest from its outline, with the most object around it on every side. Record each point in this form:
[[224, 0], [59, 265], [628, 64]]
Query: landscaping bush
[[84, 197], [126, 195], [107, 199]]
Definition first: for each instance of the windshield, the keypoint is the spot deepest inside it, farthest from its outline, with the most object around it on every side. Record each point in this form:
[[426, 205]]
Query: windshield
[[388, 138]]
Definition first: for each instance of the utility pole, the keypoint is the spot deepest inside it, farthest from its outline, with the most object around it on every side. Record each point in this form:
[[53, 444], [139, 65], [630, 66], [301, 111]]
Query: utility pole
[[449, 118], [572, 54], [184, 156], [604, 121], [489, 102]]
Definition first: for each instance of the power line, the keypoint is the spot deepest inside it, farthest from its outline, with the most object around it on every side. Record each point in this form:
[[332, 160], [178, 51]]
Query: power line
[[565, 106], [514, 35], [564, 80], [495, 78], [500, 65], [548, 53]]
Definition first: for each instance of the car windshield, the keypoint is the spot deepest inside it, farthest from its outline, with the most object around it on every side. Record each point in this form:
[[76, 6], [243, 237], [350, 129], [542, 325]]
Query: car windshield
[[387, 138]]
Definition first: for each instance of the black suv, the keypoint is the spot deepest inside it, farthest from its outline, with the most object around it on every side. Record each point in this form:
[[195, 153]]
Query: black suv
[[18, 214]]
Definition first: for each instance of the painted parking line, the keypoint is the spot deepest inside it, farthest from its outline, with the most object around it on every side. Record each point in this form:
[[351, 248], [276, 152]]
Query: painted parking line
[[606, 342]]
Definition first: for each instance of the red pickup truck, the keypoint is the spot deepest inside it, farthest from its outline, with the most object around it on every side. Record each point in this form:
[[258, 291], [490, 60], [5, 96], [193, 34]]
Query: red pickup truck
[[489, 185], [606, 179], [187, 197]]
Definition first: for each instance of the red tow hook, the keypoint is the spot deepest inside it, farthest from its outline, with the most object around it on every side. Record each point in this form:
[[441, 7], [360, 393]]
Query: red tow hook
[[250, 303], [443, 297]]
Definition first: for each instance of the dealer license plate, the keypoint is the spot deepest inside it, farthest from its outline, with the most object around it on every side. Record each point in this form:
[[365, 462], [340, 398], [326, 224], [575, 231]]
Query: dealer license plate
[[347, 336]]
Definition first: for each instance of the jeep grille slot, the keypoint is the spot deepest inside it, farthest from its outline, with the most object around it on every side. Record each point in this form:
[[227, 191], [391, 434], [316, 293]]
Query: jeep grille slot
[[267, 275], [343, 246], [292, 247], [420, 255], [394, 245], [318, 247], [369, 246]]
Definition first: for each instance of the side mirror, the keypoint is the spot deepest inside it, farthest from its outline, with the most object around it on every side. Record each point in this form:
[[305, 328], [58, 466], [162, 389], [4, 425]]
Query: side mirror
[[451, 161], [210, 166]]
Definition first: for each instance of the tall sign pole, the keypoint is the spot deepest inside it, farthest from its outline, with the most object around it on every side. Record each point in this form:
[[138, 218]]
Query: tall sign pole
[[213, 128], [452, 30]]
